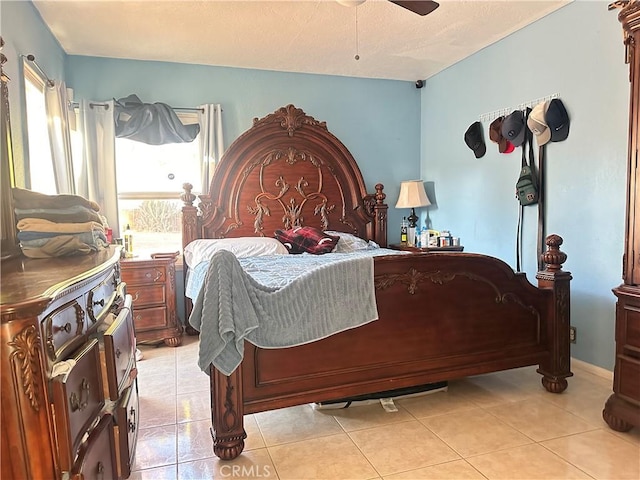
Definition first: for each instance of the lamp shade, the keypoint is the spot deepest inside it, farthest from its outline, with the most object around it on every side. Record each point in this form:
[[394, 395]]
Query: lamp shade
[[412, 195]]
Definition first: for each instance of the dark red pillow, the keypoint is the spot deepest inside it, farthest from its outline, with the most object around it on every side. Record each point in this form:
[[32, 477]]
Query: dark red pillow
[[307, 239]]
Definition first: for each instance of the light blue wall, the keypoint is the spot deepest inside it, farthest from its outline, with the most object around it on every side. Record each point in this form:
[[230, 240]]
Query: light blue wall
[[25, 33], [578, 53], [395, 132], [378, 120]]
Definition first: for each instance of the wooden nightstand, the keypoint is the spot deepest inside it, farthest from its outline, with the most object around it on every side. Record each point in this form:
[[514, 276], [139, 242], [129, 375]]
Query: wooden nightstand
[[151, 281], [407, 248]]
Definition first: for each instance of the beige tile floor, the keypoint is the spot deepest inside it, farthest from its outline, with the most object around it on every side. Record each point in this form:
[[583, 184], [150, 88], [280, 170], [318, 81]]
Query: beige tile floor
[[497, 426]]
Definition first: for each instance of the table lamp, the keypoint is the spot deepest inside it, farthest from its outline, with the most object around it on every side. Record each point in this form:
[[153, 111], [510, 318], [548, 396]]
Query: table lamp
[[412, 195]]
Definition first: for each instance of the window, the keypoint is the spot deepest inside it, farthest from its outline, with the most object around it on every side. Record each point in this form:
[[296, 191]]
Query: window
[[150, 179], [40, 165]]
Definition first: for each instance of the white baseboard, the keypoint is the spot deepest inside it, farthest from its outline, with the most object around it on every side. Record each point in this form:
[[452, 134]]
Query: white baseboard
[[593, 369]]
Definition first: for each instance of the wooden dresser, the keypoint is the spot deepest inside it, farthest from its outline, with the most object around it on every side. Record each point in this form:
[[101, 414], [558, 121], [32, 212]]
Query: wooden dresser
[[151, 281], [622, 409], [69, 389]]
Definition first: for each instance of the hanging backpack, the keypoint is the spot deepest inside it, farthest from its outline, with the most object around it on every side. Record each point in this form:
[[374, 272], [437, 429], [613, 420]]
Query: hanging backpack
[[527, 184]]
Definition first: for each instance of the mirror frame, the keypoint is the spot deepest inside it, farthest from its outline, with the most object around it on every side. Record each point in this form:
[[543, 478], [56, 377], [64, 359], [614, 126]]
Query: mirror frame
[[9, 246]]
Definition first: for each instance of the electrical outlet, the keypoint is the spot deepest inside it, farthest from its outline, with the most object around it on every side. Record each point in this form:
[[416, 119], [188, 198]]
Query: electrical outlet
[[572, 334]]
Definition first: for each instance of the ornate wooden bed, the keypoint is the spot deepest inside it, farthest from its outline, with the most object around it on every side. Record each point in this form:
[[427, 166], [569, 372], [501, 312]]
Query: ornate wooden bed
[[441, 316]]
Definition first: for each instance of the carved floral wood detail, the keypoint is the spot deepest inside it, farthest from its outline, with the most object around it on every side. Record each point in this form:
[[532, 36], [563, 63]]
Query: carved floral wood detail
[[412, 278], [290, 118], [26, 345], [230, 417], [292, 209]]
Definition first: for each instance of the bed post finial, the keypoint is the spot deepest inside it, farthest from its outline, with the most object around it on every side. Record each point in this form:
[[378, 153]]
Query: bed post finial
[[380, 196], [557, 367], [554, 257], [187, 197]]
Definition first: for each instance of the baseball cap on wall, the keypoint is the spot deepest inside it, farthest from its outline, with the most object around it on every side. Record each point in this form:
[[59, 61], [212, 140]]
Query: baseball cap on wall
[[537, 123], [474, 140], [513, 128], [495, 134], [557, 120]]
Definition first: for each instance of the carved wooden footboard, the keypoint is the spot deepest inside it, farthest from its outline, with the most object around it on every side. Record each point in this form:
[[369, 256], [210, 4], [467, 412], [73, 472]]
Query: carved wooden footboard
[[441, 316]]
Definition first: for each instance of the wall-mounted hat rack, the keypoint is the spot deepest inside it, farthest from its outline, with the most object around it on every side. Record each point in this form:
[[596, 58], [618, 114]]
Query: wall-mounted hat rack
[[503, 112]]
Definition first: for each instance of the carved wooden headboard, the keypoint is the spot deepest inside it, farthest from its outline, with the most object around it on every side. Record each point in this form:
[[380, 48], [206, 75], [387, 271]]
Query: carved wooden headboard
[[286, 170]]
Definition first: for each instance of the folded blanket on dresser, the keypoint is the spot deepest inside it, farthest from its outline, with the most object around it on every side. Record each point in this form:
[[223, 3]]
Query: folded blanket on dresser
[[75, 214], [232, 307], [23, 198], [41, 225]]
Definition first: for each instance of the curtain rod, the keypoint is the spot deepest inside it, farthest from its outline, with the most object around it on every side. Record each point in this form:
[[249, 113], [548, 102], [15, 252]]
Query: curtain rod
[[32, 59], [503, 112], [106, 105]]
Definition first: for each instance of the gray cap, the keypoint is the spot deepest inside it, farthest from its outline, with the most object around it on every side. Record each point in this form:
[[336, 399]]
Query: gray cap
[[514, 128]]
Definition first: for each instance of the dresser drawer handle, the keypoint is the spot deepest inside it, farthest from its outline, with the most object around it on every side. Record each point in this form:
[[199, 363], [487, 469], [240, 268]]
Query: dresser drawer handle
[[132, 423], [80, 402], [66, 328], [136, 297], [158, 275], [99, 302], [118, 353]]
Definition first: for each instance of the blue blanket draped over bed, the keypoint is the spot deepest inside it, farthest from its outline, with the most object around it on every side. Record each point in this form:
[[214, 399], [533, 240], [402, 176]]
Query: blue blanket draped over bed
[[333, 294]]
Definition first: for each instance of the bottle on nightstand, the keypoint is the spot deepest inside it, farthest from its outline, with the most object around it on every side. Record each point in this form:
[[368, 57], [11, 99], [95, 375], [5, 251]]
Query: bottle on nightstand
[[128, 242], [403, 231]]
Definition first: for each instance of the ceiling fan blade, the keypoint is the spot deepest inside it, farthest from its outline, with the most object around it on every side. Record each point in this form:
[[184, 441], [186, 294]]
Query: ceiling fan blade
[[421, 7]]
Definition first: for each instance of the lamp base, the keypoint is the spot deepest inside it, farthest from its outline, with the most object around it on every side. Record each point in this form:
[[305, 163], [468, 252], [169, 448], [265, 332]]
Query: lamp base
[[413, 218]]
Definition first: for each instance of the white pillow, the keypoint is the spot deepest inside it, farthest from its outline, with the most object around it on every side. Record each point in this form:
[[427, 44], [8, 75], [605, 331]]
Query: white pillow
[[350, 243], [199, 251]]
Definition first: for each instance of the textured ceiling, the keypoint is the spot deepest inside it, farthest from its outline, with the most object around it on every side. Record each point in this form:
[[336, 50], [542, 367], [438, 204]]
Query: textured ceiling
[[315, 36]]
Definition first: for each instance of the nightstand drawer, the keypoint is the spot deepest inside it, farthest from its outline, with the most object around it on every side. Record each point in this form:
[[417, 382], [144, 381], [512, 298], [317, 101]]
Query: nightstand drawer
[[146, 295], [145, 275], [77, 397], [151, 281], [150, 318]]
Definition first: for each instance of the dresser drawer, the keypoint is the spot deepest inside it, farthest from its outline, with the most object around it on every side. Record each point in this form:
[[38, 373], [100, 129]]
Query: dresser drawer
[[77, 397], [150, 318], [96, 460], [146, 295], [148, 274], [119, 351], [628, 330], [101, 298], [64, 329], [127, 420], [629, 370]]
